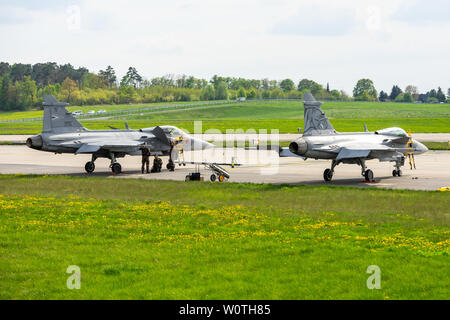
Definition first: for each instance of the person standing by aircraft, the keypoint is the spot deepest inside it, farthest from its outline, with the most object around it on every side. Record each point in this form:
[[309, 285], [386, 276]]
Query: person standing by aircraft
[[145, 158]]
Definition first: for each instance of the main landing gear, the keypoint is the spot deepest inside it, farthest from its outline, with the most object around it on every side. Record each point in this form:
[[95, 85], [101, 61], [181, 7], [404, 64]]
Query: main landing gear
[[328, 173], [116, 168], [90, 165], [366, 173]]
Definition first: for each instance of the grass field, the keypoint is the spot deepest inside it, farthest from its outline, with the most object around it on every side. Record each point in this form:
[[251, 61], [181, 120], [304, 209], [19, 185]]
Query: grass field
[[437, 145], [283, 126], [31, 114], [285, 116], [219, 241]]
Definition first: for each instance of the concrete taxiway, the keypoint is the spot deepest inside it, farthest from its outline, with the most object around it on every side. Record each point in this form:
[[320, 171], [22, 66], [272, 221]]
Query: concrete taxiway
[[433, 168], [250, 137]]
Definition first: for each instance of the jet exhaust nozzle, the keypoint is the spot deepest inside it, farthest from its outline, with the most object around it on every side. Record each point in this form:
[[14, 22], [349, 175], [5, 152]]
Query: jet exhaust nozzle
[[35, 142], [298, 146]]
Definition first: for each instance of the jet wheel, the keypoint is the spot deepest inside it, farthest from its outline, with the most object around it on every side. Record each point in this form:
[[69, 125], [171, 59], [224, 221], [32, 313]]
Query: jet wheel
[[397, 173], [89, 167], [327, 175], [221, 178], [368, 175], [213, 178], [116, 168]]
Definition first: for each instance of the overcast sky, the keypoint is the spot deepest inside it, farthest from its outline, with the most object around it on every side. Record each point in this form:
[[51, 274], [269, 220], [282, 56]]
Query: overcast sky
[[389, 41]]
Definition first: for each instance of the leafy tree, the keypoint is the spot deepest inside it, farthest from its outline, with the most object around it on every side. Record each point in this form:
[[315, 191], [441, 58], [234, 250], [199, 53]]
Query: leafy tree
[[242, 93], [127, 94], [28, 90], [208, 93], [93, 81], [69, 91], [44, 73], [222, 91], [4, 68], [252, 93], [395, 92], [20, 70], [440, 95], [365, 96], [432, 93], [265, 84], [407, 97], [335, 94], [287, 85], [306, 85], [14, 101], [273, 84], [276, 94], [367, 86], [265, 94], [4, 93], [383, 96], [400, 97], [132, 78], [448, 93], [413, 91], [110, 75], [294, 94]]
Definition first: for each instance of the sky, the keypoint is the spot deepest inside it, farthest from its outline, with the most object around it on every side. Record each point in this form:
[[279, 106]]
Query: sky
[[399, 42]]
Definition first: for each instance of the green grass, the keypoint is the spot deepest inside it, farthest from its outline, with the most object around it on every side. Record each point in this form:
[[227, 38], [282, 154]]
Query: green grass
[[283, 126], [176, 240], [16, 115], [260, 110], [437, 145], [286, 116]]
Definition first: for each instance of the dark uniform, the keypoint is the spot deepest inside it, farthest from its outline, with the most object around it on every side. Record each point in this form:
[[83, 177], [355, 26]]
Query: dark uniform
[[157, 164], [145, 159], [171, 165]]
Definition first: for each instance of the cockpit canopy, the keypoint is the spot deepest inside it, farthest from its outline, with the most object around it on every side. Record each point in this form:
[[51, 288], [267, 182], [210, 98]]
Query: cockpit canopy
[[394, 131], [174, 131], [168, 130]]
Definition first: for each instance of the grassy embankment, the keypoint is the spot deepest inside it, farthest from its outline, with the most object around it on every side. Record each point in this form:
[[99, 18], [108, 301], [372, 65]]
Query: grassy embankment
[[285, 116]]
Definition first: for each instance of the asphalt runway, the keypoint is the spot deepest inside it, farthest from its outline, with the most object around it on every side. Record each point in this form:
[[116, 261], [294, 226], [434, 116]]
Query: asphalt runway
[[433, 168]]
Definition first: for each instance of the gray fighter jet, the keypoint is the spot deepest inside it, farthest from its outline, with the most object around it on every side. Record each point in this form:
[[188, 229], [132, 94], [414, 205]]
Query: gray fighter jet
[[321, 141], [62, 133]]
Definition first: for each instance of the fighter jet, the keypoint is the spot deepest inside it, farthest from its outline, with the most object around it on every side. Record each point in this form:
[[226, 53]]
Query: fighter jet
[[62, 133], [321, 141]]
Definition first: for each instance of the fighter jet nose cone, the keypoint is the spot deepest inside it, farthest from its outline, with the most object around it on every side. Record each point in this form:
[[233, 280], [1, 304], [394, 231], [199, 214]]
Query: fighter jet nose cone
[[207, 145], [419, 148]]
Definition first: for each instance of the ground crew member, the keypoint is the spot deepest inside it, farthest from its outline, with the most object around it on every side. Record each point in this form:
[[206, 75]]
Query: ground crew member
[[157, 164], [145, 158]]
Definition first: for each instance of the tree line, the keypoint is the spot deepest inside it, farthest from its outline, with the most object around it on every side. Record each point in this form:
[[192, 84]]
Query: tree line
[[23, 86]]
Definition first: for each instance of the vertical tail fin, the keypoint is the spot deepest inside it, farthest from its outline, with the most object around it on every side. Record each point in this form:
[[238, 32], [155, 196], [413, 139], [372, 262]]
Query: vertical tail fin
[[315, 121], [57, 118]]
